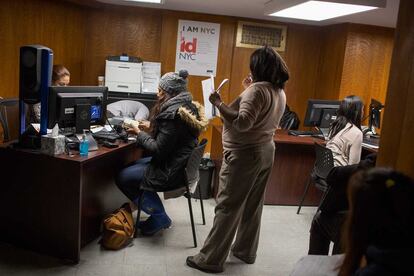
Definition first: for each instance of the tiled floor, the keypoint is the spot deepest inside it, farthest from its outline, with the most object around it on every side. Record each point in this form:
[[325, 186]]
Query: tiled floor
[[284, 239]]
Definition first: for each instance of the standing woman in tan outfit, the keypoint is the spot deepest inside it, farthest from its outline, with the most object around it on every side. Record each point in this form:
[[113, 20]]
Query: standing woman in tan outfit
[[250, 122]]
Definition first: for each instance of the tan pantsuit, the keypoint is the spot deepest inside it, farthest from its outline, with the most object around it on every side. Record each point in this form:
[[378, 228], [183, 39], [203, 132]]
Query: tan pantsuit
[[243, 179]]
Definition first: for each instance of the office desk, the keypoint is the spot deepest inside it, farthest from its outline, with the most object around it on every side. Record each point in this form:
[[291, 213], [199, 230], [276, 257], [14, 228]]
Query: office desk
[[294, 160], [55, 205]]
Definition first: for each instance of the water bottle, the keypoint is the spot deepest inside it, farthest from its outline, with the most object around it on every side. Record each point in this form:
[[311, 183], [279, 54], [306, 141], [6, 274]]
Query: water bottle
[[84, 145]]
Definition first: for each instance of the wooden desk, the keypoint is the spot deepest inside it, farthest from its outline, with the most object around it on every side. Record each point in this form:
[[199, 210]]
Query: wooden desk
[[55, 205], [294, 160]]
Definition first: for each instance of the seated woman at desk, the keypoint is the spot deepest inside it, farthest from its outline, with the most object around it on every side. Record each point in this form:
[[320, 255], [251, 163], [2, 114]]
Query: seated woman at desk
[[345, 135], [328, 221], [60, 77], [176, 122], [378, 234]]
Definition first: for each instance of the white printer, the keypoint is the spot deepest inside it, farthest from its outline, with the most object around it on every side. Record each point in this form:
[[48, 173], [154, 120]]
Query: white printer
[[123, 74]]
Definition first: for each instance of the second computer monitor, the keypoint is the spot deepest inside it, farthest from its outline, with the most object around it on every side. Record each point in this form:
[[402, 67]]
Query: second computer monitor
[[321, 113], [375, 108]]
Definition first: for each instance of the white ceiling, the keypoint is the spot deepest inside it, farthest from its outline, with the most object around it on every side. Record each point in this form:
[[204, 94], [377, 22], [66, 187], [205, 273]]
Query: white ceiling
[[255, 9]]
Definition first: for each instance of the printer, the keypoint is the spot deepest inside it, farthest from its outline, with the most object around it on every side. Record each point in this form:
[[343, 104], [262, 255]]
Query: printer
[[123, 74]]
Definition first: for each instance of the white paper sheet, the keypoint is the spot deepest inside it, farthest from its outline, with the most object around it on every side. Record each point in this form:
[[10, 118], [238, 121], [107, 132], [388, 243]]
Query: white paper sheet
[[207, 89], [151, 73]]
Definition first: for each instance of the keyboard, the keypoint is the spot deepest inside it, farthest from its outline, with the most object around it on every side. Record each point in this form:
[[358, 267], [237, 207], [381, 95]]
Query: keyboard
[[302, 133], [110, 136], [370, 142]]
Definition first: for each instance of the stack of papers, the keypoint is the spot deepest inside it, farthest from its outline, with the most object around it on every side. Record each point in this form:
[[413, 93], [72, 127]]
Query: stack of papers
[[151, 73]]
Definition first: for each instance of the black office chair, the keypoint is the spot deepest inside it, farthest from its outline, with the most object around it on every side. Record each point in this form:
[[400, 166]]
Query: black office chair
[[289, 120], [9, 118], [192, 178], [323, 165]]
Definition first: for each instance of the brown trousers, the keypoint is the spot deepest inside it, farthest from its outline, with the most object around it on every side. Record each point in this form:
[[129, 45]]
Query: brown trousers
[[243, 178]]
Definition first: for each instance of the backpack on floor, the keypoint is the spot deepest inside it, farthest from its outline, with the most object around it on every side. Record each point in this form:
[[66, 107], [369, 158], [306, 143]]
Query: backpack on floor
[[118, 229]]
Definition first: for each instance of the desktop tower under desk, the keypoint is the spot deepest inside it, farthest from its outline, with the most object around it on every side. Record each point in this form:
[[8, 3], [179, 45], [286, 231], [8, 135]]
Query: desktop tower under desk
[[55, 205]]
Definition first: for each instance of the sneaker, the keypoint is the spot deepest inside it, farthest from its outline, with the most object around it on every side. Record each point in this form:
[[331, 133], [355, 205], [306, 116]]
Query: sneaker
[[154, 224]]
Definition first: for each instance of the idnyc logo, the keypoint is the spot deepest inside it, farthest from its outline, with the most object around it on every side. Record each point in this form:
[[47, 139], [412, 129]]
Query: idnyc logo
[[188, 49]]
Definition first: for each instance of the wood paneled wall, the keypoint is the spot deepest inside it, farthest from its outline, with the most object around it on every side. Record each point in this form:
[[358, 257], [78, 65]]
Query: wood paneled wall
[[331, 62], [355, 59], [367, 62], [58, 25], [396, 149], [82, 35], [113, 30]]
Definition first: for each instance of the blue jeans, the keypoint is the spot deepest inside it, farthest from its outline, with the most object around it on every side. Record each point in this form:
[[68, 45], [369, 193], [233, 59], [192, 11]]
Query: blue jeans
[[129, 182], [129, 179]]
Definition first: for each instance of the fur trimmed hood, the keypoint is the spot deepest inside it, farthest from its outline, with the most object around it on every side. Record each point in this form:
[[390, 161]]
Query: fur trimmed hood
[[191, 120], [190, 112]]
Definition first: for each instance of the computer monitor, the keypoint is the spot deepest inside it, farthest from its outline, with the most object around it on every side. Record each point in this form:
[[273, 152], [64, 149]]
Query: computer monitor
[[375, 113], [77, 106], [321, 113]]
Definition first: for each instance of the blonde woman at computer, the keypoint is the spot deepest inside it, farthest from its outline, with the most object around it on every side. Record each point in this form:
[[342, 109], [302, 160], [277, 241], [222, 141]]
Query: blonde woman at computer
[[60, 77], [345, 135]]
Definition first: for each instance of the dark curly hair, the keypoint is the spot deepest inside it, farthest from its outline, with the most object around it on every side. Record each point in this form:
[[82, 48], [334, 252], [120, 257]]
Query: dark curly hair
[[268, 65]]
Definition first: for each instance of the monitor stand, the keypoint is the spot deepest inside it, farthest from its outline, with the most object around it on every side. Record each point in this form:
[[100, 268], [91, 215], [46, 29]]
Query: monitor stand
[[83, 117], [325, 132]]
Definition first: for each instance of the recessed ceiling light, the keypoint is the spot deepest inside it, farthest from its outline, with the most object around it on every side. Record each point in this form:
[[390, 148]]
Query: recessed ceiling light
[[147, 1], [320, 10]]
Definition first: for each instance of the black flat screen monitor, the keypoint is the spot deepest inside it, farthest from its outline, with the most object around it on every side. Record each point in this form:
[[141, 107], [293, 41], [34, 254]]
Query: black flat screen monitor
[[375, 114], [321, 113], [77, 106]]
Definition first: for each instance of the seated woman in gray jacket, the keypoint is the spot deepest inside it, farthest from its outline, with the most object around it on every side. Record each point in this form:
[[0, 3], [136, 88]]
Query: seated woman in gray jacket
[[175, 124]]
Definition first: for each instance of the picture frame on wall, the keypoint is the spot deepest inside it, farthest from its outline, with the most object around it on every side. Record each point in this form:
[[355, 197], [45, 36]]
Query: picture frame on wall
[[255, 35]]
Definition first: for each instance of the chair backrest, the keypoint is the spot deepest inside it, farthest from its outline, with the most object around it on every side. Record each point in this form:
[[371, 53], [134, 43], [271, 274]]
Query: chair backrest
[[127, 108], [289, 120], [193, 163], [324, 161], [9, 118]]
